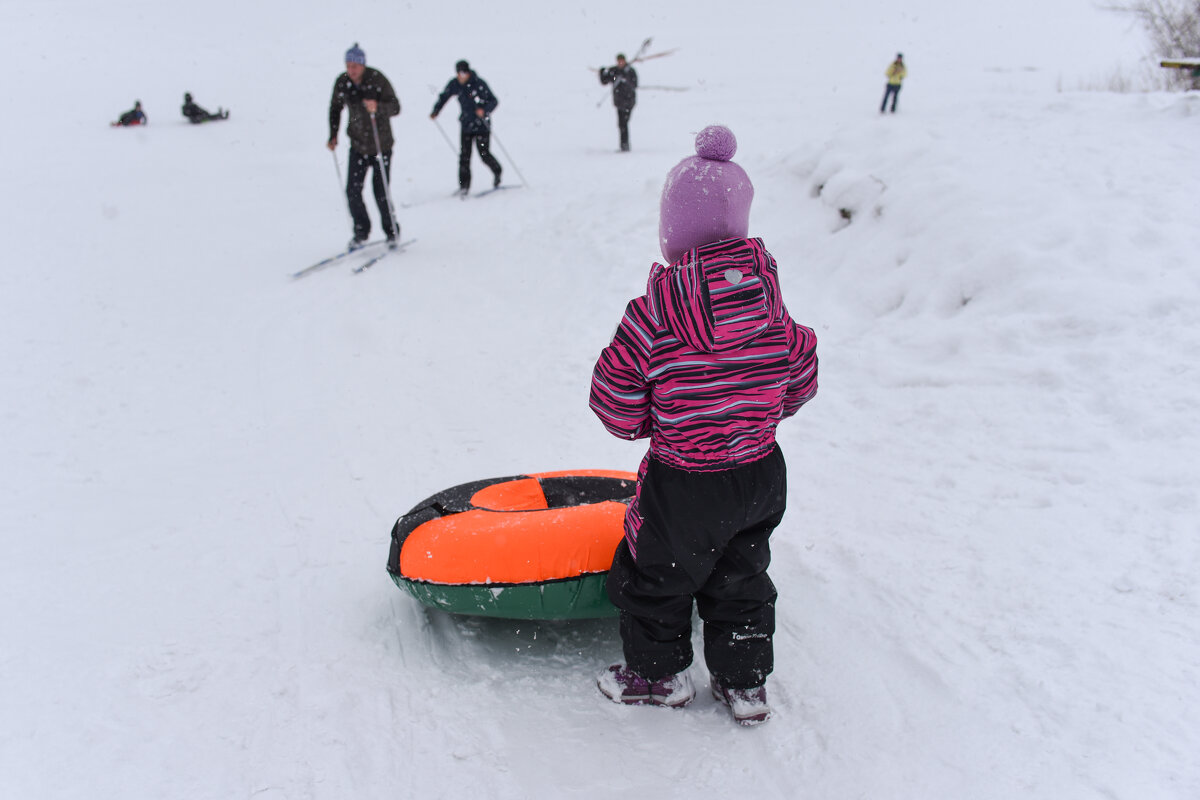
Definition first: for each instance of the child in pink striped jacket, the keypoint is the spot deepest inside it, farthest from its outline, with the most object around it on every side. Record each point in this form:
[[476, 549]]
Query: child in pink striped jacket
[[705, 364]]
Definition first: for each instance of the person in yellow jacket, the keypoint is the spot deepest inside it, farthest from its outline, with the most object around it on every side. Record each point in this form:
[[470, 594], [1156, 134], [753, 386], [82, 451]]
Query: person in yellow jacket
[[895, 74]]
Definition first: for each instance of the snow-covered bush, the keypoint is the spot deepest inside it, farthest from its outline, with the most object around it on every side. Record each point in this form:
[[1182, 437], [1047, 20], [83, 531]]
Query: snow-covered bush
[[1174, 30]]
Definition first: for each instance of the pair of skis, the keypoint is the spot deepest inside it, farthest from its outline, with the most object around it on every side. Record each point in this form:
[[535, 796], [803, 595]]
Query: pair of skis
[[493, 190], [459, 195], [364, 250], [641, 55]]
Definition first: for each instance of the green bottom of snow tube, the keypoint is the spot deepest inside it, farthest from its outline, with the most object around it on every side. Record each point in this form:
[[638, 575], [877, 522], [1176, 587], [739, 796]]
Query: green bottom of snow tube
[[579, 598], [535, 546]]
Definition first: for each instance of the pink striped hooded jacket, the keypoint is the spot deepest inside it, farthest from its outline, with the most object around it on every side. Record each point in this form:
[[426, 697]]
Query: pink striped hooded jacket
[[708, 361]]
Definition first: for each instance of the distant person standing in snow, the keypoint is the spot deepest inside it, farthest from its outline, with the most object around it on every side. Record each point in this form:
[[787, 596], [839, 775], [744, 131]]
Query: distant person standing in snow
[[134, 116], [624, 94], [476, 104], [196, 114], [895, 75], [706, 364], [368, 95]]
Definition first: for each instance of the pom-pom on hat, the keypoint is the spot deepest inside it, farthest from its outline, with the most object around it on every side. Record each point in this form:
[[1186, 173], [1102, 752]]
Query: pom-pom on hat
[[706, 197], [355, 55]]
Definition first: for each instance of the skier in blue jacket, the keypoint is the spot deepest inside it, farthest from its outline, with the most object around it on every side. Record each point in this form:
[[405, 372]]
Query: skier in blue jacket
[[476, 103]]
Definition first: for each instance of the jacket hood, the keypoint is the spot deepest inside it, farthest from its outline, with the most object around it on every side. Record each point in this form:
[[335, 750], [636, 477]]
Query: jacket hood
[[719, 296]]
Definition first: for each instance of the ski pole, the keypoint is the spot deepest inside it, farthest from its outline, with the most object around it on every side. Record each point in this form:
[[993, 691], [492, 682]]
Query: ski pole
[[504, 150], [387, 189], [449, 143], [342, 187]]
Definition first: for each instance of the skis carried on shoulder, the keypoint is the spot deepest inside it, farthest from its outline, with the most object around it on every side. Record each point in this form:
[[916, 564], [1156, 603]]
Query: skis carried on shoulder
[[641, 55], [325, 262], [649, 56], [378, 256]]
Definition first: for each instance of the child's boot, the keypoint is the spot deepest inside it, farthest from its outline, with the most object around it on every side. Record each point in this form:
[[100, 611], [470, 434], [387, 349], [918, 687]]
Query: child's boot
[[622, 685], [673, 691], [748, 706]]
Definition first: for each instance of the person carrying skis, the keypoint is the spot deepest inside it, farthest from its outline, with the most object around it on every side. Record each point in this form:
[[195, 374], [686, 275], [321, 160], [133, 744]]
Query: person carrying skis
[[134, 116], [895, 75], [476, 104], [368, 94], [196, 114], [706, 364], [624, 79]]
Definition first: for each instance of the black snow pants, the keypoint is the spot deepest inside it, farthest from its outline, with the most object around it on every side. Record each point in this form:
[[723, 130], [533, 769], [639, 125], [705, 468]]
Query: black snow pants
[[359, 164], [623, 115], [703, 535], [892, 91], [484, 142]]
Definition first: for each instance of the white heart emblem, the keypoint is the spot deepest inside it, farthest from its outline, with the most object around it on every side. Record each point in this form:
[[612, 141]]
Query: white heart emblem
[[733, 276]]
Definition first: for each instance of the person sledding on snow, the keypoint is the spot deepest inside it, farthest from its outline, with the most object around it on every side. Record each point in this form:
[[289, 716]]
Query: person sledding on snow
[[476, 104], [371, 101], [706, 364], [134, 116], [196, 114]]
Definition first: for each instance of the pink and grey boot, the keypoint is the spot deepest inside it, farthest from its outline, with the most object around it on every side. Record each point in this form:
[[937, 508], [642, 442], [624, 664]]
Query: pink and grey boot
[[622, 685], [748, 706]]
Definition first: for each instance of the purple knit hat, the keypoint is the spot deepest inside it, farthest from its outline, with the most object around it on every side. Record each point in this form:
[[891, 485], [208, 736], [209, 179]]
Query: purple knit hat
[[706, 197]]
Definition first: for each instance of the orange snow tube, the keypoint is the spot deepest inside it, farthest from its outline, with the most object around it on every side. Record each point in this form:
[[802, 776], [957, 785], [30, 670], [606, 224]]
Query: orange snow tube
[[534, 546]]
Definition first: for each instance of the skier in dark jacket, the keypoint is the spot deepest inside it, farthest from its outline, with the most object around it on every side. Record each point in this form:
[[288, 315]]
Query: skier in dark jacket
[[196, 114], [624, 79], [368, 95], [476, 103], [134, 116]]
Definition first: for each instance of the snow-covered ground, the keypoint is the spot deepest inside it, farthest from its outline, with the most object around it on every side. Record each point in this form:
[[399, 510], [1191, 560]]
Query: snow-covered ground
[[988, 572]]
